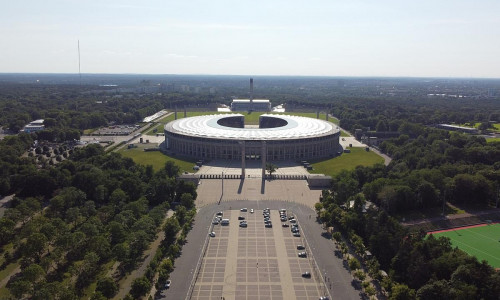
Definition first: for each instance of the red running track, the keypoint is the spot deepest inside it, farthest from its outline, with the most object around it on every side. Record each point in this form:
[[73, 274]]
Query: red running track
[[460, 228]]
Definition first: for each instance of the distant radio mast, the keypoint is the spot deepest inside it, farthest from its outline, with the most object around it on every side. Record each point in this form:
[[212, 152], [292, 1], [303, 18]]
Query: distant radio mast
[[79, 73]]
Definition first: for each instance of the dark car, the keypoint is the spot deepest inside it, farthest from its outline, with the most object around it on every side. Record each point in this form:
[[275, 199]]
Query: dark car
[[306, 275], [296, 234], [285, 225], [241, 218], [269, 225], [300, 247]]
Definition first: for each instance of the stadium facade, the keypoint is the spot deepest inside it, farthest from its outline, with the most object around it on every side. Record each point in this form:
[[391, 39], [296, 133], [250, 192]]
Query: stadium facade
[[278, 137]]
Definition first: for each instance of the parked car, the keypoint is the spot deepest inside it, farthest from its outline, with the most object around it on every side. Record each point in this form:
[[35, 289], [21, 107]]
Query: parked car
[[293, 221], [241, 218], [268, 225], [324, 298], [167, 284], [300, 247], [251, 211], [215, 222], [296, 234], [306, 275], [285, 225], [302, 254], [219, 213], [243, 209], [243, 224], [212, 234]]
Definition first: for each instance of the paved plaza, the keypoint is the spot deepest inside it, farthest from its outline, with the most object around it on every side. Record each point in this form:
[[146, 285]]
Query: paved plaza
[[255, 262], [214, 191], [253, 168]]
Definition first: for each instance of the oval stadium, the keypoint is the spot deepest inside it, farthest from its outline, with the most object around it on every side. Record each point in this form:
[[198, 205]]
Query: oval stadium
[[277, 137]]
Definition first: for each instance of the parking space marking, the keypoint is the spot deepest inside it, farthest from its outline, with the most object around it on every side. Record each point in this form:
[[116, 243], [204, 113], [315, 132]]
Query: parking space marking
[[285, 272], [229, 289], [255, 262]]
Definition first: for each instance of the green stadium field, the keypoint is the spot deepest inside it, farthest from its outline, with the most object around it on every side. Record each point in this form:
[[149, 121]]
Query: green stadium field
[[481, 241]]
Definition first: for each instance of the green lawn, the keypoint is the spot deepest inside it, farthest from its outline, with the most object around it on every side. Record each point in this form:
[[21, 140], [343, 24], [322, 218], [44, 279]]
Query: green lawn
[[344, 134], [495, 126], [347, 161], [9, 268], [482, 242], [493, 140], [156, 159]]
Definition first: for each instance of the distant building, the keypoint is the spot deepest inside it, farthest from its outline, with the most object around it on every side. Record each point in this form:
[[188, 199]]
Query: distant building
[[458, 128], [36, 125], [251, 105]]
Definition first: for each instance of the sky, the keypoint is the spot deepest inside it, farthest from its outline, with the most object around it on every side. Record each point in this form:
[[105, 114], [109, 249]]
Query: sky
[[424, 38]]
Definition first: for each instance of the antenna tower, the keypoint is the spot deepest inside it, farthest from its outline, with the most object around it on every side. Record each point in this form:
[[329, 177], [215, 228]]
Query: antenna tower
[[79, 73]]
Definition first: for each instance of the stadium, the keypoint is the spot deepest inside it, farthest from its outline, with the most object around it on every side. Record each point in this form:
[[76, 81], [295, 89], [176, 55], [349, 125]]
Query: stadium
[[277, 137]]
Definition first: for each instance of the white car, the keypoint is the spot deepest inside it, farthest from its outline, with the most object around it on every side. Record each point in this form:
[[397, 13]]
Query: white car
[[167, 284], [243, 209], [251, 211], [212, 234]]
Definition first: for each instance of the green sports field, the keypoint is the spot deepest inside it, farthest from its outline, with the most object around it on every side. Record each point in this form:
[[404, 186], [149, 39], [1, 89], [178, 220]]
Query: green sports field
[[482, 242]]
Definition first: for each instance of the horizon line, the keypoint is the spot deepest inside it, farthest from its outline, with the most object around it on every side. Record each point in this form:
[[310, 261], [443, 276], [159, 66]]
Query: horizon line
[[252, 75]]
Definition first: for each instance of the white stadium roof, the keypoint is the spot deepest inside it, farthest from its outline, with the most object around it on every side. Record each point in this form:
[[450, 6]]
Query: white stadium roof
[[207, 127]]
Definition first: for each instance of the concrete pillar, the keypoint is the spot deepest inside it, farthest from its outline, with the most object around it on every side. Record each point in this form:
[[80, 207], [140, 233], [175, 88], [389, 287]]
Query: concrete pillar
[[327, 116], [317, 114], [243, 161], [175, 113], [185, 113], [263, 155]]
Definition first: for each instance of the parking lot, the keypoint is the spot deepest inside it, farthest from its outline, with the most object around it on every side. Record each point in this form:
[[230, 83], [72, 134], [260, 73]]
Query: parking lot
[[255, 262]]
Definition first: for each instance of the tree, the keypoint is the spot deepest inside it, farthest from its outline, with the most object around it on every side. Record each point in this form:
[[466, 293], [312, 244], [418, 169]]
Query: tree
[[271, 168], [107, 286], [35, 246], [187, 200], [172, 169], [354, 264], [318, 206], [140, 286], [171, 228], [359, 274], [401, 292]]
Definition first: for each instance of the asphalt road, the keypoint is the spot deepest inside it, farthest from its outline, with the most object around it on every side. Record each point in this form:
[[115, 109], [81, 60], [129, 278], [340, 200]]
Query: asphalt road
[[322, 248]]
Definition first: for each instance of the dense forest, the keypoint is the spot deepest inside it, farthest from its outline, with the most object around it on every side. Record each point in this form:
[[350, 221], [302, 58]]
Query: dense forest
[[69, 221], [430, 167]]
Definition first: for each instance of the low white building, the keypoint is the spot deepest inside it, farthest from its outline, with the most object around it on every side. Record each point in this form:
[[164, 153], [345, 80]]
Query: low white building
[[251, 105], [36, 125]]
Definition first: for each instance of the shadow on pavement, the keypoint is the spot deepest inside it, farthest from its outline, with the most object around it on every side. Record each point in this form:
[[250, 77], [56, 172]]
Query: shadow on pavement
[[240, 187]]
